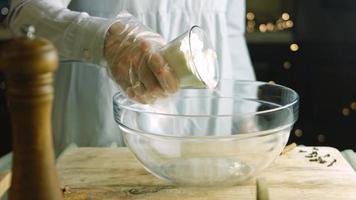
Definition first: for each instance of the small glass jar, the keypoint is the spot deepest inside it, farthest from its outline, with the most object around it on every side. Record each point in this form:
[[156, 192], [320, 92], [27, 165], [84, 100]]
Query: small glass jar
[[193, 59]]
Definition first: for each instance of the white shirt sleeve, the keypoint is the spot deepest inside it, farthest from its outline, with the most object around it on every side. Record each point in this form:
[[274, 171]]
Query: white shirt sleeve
[[76, 35]]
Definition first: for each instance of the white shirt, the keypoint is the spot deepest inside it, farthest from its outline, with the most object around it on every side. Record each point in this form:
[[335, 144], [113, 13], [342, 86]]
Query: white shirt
[[76, 35], [54, 21], [82, 111]]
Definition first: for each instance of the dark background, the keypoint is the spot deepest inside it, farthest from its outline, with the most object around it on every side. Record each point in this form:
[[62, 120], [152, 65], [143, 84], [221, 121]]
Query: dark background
[[322, 70]]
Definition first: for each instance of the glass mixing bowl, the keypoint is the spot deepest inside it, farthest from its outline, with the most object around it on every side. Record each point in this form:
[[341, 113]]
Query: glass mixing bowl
[[210, 137]]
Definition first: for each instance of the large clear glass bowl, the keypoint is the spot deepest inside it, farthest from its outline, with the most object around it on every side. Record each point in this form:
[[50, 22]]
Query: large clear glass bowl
[[210, 137]]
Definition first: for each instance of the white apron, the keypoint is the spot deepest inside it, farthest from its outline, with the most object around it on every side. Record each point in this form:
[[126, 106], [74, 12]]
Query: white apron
[[83, 111]]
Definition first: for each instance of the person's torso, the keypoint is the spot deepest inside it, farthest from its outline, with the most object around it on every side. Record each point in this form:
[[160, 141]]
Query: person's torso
[[171, 18], [77, 83]]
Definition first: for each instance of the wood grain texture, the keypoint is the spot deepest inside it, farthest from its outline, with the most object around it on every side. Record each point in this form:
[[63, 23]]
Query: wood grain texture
[[108, 174], [28, 65]]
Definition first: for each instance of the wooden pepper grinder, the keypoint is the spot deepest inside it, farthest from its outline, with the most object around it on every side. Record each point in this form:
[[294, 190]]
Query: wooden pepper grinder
[[28, 63]]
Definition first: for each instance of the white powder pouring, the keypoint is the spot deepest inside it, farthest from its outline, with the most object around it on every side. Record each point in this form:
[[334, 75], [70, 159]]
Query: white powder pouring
[[192, 59], [194, 62]]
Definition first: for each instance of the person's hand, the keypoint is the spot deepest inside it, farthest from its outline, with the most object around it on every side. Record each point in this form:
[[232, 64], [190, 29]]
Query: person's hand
[[135, 63]]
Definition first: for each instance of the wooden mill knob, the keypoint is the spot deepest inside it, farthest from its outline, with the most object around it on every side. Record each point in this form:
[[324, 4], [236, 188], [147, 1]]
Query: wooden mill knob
[[28, 64]]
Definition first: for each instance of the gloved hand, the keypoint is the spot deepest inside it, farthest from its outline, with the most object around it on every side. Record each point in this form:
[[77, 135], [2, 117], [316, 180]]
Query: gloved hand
[[134, 61]]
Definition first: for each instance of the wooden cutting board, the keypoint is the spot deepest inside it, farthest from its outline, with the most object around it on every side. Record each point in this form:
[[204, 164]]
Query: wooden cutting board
[[113, 173]]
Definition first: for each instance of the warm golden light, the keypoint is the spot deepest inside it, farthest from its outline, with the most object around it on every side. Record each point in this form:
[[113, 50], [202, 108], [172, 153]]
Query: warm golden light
[[251, 26], [287, 65], [251, 23], [249, 29], [294, 47], [280, 26], [271, 82], [321, 138], [353, 105], [285, 16], [289, 24], [250, 16], [346, 112], [263, 28], [270, 26], [298, 132]]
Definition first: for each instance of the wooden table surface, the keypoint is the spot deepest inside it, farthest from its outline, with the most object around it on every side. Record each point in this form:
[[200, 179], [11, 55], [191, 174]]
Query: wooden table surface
[[5, 179], [114, 173]]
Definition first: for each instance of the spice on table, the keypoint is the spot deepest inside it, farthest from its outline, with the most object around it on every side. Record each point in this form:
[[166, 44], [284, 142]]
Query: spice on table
[[321, 161], [327, 155], [312, 154], [331, 164]]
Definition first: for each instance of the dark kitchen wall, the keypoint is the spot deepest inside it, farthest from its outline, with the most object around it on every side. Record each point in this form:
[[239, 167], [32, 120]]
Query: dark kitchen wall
[[316, 56]]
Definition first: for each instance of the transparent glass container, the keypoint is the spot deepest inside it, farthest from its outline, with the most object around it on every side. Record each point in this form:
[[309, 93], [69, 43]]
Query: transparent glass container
[[210, 137], [193, 59]]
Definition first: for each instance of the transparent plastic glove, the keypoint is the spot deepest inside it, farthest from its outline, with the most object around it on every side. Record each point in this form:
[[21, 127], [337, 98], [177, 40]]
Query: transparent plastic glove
[[134, 61]]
